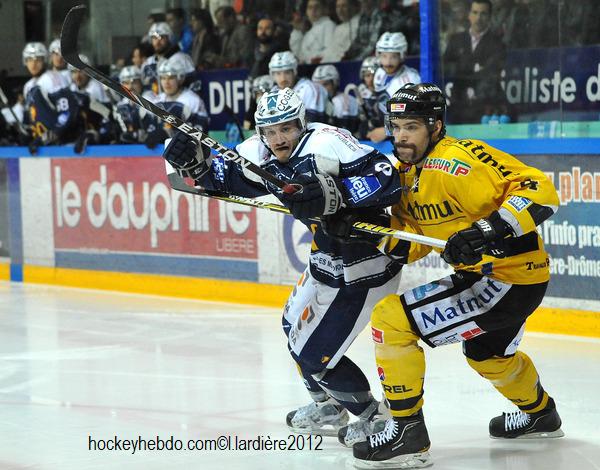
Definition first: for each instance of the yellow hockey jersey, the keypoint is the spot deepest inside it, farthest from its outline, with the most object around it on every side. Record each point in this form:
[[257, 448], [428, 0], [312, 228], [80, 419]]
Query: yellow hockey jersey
[[464, 180]]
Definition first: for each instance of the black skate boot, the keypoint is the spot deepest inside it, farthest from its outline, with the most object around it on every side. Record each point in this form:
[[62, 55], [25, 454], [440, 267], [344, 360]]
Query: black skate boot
[[519, 425], [404, 443]]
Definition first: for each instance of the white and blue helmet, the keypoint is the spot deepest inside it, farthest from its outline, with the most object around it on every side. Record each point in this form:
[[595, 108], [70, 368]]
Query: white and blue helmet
[[54, 47], [33, 50], [161, 29], [130, 73], [392, 42], [324, 73], [172, 67], [262, 84], [84, 58], [276, 107], [369, 66], [283, 61]]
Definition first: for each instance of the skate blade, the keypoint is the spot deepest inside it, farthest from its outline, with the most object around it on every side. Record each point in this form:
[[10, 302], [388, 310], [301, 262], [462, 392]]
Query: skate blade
[[329, 432], [418, 460], [535, 435]]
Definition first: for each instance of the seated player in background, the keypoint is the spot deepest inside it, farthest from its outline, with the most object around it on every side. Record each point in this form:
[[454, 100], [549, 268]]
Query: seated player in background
[[283, 67], [51, 109], [332, 302], [178, 100], [260, 85]]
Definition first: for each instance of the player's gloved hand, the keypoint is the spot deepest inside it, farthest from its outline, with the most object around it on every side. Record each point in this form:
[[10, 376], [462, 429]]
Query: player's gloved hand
[[85, 138], [129, 137], [339, 226], [485, 236], [155, 138], [190, 158], [320, 195]]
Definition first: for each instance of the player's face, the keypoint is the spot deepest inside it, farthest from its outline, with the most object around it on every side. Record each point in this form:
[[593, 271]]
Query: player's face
[[34, 65], [282, 139], [137, 58], [135, 85], [411, 139], [368, 79], [57, 61], [79, 78], [160, 43], [169, 84], [284, 78], [390, 61], [329, 86]]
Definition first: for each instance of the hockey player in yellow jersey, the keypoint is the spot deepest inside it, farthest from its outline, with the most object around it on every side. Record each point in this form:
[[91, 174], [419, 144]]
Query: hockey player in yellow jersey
[[487, 204]]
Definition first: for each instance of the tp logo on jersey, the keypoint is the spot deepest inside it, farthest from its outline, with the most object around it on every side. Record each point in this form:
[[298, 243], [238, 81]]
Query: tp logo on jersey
[[361, 187], [380, 373], [377, 335]]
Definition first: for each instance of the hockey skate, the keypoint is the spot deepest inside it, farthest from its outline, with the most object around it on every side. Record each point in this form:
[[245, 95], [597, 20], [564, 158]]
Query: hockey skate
[[371, 421], [324, 418], [519, 425], [404, 443]]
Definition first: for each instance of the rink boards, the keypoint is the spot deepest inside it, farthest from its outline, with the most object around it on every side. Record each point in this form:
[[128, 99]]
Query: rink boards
[[109, 220]]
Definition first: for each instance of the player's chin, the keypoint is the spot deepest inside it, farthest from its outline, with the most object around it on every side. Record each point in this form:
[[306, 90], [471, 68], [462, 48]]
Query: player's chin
[[282, 153]]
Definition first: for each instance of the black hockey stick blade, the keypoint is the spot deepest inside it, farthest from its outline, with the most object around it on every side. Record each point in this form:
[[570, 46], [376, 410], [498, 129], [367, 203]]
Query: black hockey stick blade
[[69, 51]]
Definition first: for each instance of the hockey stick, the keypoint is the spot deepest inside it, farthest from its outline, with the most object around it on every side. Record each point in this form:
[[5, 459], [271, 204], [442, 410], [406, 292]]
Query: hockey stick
[[68, 44], [179, 184], [6, 104]]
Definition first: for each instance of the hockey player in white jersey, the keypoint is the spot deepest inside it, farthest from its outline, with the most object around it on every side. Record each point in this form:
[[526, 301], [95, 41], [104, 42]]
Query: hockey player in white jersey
[[57, 62], [342, 108], [128, 115], [165, 47], [283, 67], [331, 303], [51, 110], [392, 74], [177, 99]]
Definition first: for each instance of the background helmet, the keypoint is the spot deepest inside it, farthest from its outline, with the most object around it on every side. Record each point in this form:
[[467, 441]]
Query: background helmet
[[279, 106], [262, 84], [172, 67], [54, 47], [326, 72], [34, 49], [369, 65], [162, 29], [424, 100], [283, 61], [130, 73], [392, 42]]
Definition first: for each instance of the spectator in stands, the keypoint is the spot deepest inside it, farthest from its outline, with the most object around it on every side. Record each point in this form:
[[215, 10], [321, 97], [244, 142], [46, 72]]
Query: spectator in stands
[[206, 41], [214, 5], [140, 53], [473, 61], [175, 18], [309, 47], [266, 45], [348, 13], [237, 45], [454, 19], [508, 20], [543, 27], [369, 28], [404, 16]]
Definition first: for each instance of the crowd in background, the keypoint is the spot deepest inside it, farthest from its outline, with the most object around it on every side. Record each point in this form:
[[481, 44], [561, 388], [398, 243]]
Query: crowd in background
[[474, 38]]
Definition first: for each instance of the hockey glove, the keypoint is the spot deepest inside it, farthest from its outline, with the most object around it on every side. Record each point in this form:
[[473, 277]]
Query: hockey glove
[[339, 226], [187, 156], [88, 137], [485, 236], [320, 195]]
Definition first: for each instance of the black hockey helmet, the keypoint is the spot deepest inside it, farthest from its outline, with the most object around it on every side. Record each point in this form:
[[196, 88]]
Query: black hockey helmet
[[423, 100]]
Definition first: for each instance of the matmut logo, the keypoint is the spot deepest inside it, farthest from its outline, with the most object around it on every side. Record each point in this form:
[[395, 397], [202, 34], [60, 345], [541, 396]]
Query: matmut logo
[[453, 167]]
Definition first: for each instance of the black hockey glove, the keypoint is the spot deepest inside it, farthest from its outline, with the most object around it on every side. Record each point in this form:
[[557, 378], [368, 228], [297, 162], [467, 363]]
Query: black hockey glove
[[339, 225], [87, 137], [485, 236], [187, 156], [320, 195], [155, 138]]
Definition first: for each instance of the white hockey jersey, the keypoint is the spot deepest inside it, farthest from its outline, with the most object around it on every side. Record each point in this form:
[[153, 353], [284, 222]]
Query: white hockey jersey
[[367, 179]]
